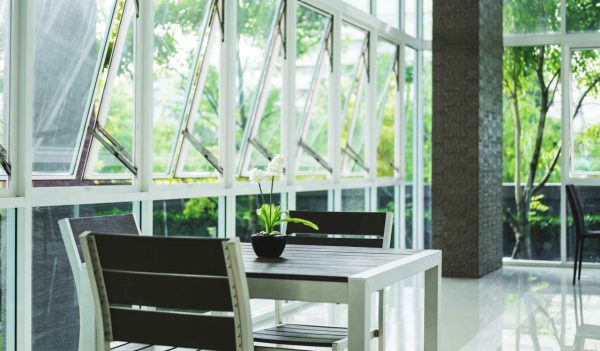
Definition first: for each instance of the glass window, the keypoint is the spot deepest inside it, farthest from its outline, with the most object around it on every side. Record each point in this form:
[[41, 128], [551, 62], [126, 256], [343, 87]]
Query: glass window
[[312, 201], [364, 5], [408, 216], [197, 217], [388, 65], [186, 88], [112, 113], [410, 110], [524, 102], [427, 119], [585, 111], [427, 19], [389, 12], [583, 15], [354, 80], [410, 17], [385, 203], [246, 219], [55, 321], [260, 73], [534, 16], [314, 44], [354, 200], [590, 202], [68, 47]]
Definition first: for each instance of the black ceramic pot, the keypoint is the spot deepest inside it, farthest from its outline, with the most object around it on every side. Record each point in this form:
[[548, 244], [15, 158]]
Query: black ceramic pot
[[268, 245]]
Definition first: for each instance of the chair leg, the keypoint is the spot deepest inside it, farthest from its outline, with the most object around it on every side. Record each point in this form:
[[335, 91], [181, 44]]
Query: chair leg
[[575, 259], [580, 259]]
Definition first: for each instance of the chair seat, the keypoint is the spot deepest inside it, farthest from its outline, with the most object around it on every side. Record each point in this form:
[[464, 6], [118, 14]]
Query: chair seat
[[302, 335]]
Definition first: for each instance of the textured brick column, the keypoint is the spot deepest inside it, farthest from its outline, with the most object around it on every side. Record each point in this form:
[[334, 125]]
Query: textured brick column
[[467, 135]]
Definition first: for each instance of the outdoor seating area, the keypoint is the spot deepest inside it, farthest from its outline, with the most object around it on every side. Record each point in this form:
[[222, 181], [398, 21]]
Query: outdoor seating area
[[240, 175]]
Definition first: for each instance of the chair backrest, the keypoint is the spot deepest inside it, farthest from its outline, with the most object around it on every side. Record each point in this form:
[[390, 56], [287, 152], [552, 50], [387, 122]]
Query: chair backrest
[[71, 229], [369, 229], [180, 279], [576, 209]]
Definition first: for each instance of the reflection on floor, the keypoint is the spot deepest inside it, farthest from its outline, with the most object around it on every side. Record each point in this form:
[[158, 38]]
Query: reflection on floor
[[516, 308]]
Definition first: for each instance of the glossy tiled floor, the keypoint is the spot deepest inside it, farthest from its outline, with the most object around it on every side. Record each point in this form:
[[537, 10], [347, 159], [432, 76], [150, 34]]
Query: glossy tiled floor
[[516, 308]]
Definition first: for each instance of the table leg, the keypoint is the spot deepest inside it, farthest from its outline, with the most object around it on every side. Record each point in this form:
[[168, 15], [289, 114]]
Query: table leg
[[359, 315], [381, 320], [432, 303]]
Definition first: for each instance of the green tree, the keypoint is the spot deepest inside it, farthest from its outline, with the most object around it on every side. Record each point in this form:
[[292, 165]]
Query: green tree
[[532, 136]]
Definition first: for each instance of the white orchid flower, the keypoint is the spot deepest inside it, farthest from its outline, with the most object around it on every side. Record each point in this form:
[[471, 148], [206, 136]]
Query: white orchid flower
[[275, 167], [256, 175]]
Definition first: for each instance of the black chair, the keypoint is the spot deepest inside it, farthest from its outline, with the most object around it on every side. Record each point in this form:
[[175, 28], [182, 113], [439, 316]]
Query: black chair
[[581, 233], [359, 229], [71, 229], [176, 292]]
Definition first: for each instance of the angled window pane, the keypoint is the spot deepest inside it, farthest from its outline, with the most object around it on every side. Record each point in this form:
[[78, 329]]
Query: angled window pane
[[583, 15], [69, 43], [585, 110], [177, 40], [197, 217], [410, 55], [313, 76], [112, 115], [387, 88], [389, 12], [410, 17], [535, 16], [260, 53], [354, 82], [360, 4], [199, 153]]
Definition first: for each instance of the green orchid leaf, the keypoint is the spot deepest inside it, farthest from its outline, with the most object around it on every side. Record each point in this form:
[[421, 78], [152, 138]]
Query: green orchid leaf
[[300, 221]]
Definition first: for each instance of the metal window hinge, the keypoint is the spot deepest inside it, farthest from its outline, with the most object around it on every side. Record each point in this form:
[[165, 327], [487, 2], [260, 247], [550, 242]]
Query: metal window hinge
[[114, 148], [261, 148], [209, 156], [137, 8], [220, 13], [387, 160], [4, 160], [316, 156], [354, 156]]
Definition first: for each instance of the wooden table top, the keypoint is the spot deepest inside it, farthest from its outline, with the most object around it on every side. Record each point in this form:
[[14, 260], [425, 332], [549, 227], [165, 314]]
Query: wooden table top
[[316, 262]]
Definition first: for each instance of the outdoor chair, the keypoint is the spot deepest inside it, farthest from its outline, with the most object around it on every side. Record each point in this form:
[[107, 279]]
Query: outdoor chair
[[71, 229], [359, 229], [581, 232], [172, 291]]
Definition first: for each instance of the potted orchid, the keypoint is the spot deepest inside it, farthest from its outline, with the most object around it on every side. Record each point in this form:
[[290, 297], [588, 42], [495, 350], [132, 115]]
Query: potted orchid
[[269, 242]]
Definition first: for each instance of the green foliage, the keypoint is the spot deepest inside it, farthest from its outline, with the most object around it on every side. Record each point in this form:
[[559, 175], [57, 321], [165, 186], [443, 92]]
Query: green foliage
[[519, 76], [272, 216], [531, 16], [583, 15]]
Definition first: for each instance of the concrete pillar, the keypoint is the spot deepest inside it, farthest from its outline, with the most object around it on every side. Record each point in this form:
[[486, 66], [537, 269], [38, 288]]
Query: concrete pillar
[[467, 135]]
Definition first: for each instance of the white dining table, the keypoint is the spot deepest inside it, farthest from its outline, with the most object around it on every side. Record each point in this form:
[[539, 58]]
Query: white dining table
[[350, 275]]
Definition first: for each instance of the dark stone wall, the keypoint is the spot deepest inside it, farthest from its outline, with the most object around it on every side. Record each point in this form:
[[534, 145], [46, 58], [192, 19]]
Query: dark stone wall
[[467, 135]]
